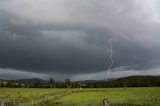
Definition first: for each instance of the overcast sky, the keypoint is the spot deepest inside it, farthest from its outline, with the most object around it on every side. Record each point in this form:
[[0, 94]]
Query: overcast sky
[[70, 38]]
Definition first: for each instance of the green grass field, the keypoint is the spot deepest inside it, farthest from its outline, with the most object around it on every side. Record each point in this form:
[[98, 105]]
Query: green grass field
[[85, 97]]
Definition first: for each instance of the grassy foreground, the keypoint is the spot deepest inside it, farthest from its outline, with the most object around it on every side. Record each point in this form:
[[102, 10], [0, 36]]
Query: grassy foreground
[[85, 97], [130, 96]]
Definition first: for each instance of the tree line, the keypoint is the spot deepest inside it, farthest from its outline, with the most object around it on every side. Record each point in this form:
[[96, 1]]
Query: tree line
[[67, 83], [131, 81]]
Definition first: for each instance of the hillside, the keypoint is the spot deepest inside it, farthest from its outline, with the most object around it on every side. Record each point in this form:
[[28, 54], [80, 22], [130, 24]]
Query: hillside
[[30, 81], [130, 81]]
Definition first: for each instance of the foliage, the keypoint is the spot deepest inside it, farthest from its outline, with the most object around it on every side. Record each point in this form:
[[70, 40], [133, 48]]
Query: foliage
[[131, 81], [52, 83], [116, 96], [68, 83], [86, 97]]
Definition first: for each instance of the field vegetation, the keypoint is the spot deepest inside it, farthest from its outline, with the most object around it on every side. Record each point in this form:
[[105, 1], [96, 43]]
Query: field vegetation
[[145, 96]]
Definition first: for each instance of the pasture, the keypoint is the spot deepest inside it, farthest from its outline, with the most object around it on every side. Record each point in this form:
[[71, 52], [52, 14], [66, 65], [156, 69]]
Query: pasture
[[76, 97]]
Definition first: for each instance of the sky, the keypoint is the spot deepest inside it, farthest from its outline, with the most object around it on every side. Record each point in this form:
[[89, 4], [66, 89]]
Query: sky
[[70, 38]]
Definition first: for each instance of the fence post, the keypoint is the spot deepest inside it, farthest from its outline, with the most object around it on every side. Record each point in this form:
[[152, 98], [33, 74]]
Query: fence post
[[105, 102], [2, 102], [32, 102]]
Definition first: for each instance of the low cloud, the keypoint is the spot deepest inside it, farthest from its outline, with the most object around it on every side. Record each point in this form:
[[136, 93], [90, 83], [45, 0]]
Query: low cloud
[[71, 38]]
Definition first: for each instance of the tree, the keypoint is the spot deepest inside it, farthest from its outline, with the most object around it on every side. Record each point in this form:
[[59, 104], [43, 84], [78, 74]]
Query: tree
[[75, 84], [37, 84], [9, 84], [2, 84], [19, 85], [124, 82], [68, 83], [52, 82]]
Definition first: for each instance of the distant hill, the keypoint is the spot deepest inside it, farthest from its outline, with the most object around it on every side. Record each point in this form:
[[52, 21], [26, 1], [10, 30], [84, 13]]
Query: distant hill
[[139, 81], [96, 81], [30, 81], [27, 81], [130, 81]]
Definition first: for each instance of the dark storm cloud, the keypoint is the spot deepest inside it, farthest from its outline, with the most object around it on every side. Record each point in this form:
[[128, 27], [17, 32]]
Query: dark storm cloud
[[69, 36]]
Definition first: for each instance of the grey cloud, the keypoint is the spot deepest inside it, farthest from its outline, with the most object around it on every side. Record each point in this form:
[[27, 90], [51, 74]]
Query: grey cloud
[[6, 73], [71, 37]]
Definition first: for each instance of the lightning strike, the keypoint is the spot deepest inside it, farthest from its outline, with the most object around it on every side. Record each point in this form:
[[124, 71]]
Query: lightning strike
[[111, 59]]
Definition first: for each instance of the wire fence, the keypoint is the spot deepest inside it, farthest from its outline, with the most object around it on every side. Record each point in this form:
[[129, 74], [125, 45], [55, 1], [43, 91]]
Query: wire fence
[[55, 102], [46, 100]]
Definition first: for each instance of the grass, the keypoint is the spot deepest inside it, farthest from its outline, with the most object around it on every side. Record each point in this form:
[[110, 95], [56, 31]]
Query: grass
[[25, 96], [86, 97], [132, 96]]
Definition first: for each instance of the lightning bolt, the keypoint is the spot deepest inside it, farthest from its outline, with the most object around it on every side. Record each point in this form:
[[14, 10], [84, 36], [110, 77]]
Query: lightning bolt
[[110, 58]]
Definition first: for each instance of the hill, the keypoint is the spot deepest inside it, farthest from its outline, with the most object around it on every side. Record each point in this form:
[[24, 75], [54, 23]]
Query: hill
[[30, 81], [130, 81]]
